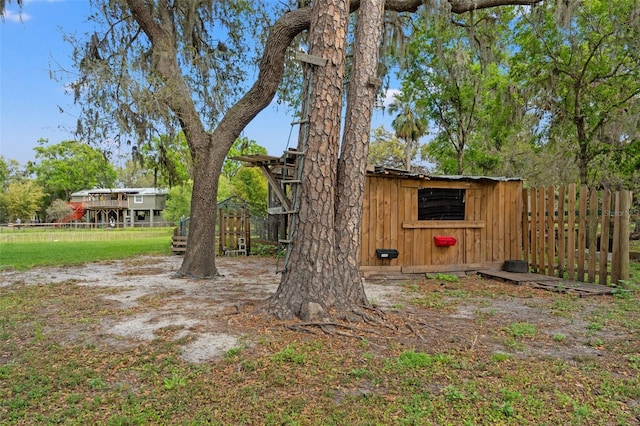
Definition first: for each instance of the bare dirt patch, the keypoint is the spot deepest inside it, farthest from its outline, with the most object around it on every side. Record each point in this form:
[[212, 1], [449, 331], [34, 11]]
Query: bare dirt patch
[[137, 300]]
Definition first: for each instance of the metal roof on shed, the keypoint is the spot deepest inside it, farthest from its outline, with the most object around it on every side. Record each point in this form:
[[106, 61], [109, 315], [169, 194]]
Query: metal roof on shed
[[392, 172]]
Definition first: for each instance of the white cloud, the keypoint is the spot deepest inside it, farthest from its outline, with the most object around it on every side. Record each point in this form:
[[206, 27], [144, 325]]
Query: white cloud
[[389, 97], [10, 16]]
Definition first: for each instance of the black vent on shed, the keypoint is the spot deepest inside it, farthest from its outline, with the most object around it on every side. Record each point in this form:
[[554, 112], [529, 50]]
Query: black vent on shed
[[441, 204]]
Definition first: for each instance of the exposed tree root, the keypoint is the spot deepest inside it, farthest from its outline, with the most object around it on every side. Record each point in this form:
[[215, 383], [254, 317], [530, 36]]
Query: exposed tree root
[[330, 328]]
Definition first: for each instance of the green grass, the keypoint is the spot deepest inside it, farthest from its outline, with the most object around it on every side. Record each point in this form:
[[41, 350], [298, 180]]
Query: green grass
[[292, 378], [24, 255]]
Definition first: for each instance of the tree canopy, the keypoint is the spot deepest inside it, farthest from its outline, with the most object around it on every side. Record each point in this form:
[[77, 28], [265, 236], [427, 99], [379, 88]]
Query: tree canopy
[[69, 166]]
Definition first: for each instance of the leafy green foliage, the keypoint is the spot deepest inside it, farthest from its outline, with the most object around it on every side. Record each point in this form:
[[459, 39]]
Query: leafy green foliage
[[410, 123], [250, 184], [583, 78], [70, 166], [385, 149], [241, 146], [167, 159], [178, 204], [23, 199]]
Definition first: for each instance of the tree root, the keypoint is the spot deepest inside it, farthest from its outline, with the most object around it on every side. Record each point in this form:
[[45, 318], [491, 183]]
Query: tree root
[[330, 328]]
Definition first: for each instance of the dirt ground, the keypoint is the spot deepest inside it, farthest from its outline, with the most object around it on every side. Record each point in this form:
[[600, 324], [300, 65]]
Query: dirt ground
[[144, 299]]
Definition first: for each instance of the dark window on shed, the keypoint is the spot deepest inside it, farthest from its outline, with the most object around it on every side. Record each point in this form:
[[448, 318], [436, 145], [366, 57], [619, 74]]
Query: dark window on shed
[[441, 204]]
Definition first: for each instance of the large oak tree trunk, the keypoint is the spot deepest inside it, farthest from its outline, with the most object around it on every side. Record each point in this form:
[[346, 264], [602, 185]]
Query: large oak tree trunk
[[355, 149], [199, 259]]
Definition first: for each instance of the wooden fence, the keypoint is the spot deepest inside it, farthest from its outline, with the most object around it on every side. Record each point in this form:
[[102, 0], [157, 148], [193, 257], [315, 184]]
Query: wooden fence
[[233, 225], [577, 233]]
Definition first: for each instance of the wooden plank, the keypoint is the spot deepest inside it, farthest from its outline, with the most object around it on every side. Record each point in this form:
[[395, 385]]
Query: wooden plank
[[468, 240], [551, 230], [400, 233], [489, 204], [451, 268], [542, 211], [365, 226], [385, 214], [620, 259], [625, 230], [592, 229], [514, 220], [517, 278], [442, 224], [546, 282], [575, 288], [534, 230], [311, 59], [409, 194], [615, 256], [582, 231], [525, 225], [379, 206], [561, 230], [605, 222], [571, 236], [501, 222], [394, 217]]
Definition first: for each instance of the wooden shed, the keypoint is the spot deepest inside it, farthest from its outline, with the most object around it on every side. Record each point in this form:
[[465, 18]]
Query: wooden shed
[[416, 223]]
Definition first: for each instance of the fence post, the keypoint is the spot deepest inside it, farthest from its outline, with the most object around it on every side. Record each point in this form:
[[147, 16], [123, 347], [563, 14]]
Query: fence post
[[551, 231], [592, 232], [526, 234], [582, 230], [620, 261], [604, 236], [571, 238], [561, 235]]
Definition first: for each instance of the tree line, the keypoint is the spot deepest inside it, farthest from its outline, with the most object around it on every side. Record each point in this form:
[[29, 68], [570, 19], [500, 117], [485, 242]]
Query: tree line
[[39, 191]]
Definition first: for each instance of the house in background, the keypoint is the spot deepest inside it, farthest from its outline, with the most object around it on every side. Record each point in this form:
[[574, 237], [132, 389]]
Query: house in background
[[128, 207]]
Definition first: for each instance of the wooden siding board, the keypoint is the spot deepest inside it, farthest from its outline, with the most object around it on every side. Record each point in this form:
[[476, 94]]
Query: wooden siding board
[[551, 230], [502, 218], [410, 214], [364, 231], [394, 230], [517, 252], [561, 230], [605, 222], [582, 231], [542, 211], [470, 214], [571, 233], [379, 224], [526, 232], [533, 221], [593, 234], [479, 234]]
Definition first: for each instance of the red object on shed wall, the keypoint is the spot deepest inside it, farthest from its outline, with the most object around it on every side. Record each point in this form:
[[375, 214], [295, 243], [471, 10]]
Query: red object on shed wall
[[444, 241]]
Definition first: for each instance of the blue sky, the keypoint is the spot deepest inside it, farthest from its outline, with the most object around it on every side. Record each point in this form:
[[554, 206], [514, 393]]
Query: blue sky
[[31, 43]]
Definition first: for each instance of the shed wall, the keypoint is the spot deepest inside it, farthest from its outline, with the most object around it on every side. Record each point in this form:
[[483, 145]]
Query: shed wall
[[490, 233]]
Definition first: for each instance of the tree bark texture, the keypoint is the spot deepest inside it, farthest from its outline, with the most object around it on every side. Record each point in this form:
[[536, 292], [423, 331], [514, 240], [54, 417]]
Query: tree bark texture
[[306, 289], [355, 149]]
